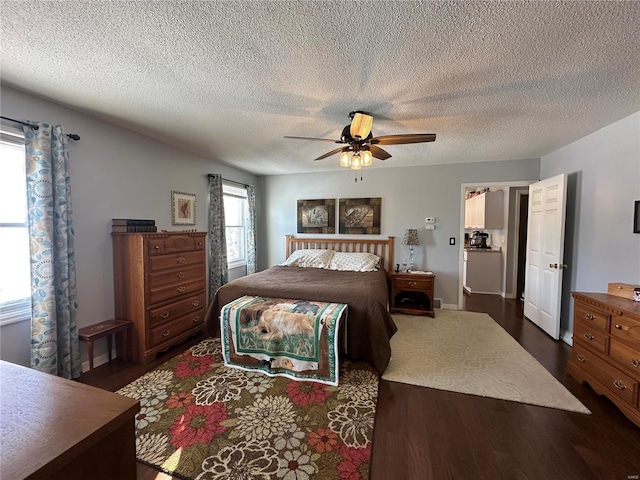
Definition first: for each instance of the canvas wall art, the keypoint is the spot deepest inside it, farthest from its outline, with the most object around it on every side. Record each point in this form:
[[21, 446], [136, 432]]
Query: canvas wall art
[[360, 216], [317, 216]]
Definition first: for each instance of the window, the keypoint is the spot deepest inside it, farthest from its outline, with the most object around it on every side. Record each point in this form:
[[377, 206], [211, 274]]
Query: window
[[235, 218], [15, 276]]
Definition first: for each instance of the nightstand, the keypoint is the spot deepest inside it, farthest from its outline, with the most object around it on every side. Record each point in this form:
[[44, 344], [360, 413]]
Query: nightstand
[[412, 293]]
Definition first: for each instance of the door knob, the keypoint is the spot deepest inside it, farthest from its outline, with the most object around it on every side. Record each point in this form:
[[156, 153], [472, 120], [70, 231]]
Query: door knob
[[555, 265]]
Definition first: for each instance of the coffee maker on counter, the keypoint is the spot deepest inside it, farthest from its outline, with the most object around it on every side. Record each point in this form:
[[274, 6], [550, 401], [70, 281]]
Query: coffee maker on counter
[[479, 240]]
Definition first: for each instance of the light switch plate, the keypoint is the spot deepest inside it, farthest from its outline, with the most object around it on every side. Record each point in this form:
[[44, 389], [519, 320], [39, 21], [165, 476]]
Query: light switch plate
[[430, 220], [430, 226]]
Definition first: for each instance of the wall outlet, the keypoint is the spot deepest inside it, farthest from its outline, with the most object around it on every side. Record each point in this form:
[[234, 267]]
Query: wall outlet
[[430, 226]]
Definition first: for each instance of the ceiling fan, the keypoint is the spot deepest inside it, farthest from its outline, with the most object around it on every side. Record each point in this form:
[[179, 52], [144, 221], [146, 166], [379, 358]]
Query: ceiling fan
[[360, 144]]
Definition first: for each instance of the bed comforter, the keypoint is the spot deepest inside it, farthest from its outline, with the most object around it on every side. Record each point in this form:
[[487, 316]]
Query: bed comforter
[[369, 324]]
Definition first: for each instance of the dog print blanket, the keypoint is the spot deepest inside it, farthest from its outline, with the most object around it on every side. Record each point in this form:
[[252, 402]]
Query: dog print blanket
[[298, 339]]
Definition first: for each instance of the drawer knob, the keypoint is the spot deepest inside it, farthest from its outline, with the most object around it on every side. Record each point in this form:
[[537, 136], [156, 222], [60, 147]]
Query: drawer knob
[[166, 333], [619, 385], [157, 247], [196, 319], [581, 358], [196, 303], [635, 362], [618, 326], [180, 275], [180, 260], [588, 336], [589, 316], [165, 314], [181, 289]]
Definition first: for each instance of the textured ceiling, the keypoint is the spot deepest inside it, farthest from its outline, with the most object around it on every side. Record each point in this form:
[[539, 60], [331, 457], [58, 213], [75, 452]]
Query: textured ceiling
[[227, 80]]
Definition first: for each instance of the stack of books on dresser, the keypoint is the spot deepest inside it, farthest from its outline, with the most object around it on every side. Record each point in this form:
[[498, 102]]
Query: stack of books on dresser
[[128, 225]]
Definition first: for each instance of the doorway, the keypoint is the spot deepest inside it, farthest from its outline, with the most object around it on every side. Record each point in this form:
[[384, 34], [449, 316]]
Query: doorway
[[523, 218], [515, 232]]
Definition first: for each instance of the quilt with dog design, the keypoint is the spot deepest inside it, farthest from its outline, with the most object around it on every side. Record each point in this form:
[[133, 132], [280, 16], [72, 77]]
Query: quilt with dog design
[[297, 339]]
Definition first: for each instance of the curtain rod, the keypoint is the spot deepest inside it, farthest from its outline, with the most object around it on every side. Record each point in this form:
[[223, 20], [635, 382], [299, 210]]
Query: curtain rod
[[72, 136], [230, 181]]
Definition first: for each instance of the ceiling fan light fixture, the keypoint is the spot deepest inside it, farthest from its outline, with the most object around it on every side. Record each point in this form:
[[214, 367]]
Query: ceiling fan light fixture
[[345, 160], [360, 125], [367, 158], [356, 162]]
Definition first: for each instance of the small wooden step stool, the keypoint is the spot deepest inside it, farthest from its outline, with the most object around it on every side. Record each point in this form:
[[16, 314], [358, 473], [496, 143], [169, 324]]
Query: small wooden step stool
[[107, 328]]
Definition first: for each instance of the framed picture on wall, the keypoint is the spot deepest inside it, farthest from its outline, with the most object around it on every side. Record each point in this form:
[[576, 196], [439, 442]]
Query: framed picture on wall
[[636, 218], [183, 208], [317, 216], [360, 216]]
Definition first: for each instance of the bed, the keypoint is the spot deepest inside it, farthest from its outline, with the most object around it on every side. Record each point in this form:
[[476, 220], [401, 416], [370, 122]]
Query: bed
[[366, 293]]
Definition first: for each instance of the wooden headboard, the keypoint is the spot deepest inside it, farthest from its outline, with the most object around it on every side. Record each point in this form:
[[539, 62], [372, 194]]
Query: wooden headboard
[[381, 247]]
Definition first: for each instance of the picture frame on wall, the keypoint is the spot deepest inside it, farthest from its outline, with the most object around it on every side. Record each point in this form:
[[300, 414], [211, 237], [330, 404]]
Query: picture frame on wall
[[183, 208], [636, 217], [359, 216], [317, 216]]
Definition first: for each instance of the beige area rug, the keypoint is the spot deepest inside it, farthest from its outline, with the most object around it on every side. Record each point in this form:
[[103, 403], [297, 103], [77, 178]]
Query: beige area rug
[[469, 352]]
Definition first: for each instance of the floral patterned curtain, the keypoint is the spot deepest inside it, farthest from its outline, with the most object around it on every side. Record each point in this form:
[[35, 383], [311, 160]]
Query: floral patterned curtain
[[251, 229], [54, 331], [218, 270]]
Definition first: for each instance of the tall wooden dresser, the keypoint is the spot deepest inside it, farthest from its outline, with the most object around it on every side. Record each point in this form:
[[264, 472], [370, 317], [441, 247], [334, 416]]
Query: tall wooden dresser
[[160, 286], [606, 348]]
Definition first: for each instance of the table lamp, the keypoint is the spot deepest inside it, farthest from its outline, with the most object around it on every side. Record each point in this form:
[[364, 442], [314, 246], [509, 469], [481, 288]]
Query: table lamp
[[410, 238]]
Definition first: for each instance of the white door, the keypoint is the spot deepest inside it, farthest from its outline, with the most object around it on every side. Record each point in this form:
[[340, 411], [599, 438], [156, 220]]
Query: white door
[[545, 250]]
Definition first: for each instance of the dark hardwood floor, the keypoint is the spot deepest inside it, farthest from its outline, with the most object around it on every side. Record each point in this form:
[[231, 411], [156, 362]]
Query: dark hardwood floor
[[422, 433]]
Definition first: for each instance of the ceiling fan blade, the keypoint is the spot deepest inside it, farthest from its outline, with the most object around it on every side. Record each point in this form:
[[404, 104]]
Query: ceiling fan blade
[[379, 153], [328, 154], [315, 139], [360, 125], [402, 139]]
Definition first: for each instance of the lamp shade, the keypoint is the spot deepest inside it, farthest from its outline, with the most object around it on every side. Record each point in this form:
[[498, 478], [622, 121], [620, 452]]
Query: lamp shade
[[410, 237]]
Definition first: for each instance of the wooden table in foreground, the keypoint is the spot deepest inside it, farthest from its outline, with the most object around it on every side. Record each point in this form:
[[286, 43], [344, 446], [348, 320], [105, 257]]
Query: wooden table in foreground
[[54, 428]]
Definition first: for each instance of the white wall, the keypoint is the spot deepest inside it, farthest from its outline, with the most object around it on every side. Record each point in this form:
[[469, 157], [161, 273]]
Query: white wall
[[408, 196], [115, 173], [603, 183]]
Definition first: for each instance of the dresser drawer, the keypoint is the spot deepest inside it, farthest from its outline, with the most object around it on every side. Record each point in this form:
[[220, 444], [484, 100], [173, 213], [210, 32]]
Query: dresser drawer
[[177, 291], [595, 317], [618, 383], [419, 284], [168, 313], [586, 333], [175, 244], [175, 260], [178, 275], [625, 355], [168, 331], [626, 328]]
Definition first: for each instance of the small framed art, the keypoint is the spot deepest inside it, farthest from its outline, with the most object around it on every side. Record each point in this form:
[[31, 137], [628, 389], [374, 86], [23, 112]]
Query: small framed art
[[360, 215], [636, 217], [317, 216], [183, 208]]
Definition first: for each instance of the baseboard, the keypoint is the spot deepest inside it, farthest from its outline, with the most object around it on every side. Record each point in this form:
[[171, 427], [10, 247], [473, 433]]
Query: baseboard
[[99, 360], [449, 306], [567, 337]]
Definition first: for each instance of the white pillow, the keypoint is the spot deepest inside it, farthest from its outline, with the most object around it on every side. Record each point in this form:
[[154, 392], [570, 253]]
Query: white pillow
[[309, 258], [355, 262]]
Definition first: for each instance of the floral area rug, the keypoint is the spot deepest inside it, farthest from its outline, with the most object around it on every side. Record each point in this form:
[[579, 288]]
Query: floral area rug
[[200, 420]]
